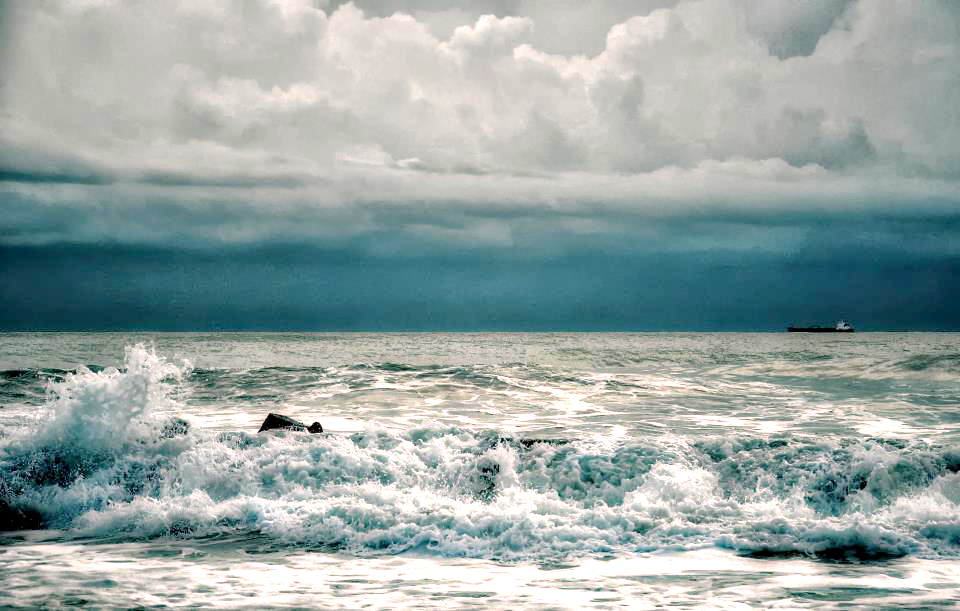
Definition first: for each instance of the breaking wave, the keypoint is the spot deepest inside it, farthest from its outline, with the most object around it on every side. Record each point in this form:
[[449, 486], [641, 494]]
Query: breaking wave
[[111, 455]]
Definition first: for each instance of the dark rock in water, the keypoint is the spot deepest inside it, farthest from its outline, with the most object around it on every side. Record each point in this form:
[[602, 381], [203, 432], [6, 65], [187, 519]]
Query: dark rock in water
[[529, 443], [15, 518], [952, 458], [279, 421]]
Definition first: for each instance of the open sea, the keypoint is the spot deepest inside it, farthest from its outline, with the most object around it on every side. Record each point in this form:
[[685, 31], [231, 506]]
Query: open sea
[[487, 470]]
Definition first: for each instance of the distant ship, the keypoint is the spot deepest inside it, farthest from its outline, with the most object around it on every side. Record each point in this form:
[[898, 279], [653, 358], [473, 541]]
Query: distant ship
[[842, 327]]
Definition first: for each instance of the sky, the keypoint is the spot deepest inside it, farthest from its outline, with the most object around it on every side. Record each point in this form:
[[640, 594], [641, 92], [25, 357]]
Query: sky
[[479, 165]]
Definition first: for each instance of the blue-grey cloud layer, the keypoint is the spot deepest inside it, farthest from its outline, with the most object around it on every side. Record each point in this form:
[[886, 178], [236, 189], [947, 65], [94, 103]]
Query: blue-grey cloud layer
[[297, 288], [477, 165]]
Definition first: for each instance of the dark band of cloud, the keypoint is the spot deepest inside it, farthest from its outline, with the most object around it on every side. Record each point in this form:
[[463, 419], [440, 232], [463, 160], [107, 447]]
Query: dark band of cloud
[[483, 145]]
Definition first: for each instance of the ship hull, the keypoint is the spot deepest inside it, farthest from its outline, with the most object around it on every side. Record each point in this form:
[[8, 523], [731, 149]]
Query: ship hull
[[817, 330]]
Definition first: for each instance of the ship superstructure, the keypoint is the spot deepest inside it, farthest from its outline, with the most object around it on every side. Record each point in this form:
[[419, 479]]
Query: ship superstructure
[[842, 326]]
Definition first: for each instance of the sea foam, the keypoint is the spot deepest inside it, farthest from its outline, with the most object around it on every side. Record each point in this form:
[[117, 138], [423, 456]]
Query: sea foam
[[111, 455]]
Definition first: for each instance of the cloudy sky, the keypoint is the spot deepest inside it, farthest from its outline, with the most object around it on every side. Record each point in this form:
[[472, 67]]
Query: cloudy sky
[[481, 164]]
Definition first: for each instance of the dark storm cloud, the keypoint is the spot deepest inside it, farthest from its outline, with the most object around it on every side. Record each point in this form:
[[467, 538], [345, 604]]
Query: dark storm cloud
[[494, 163], [109, 288], [14, 175]]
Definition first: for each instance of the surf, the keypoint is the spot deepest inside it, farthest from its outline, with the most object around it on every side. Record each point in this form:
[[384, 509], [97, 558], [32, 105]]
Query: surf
[[113, 454]]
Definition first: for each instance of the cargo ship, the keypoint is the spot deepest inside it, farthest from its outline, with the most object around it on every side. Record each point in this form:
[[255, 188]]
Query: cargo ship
[[841, 327]]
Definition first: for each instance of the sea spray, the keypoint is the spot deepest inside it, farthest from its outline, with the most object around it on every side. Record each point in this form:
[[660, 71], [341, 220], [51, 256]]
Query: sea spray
[[100, 439], [103, 410]]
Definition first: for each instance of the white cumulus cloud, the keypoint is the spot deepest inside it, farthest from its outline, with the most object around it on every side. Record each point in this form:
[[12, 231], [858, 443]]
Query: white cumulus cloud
[[279, 109]]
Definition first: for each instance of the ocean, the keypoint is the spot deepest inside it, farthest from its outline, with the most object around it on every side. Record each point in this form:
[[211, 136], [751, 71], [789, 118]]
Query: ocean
[[481, 470]]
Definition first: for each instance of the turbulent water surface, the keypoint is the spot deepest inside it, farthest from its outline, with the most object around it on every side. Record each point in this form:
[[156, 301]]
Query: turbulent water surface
[[487, 470]]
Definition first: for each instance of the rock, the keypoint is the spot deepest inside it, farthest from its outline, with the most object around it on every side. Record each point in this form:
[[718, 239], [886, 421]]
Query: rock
[[279, 421], [530, 442], [16, 518]]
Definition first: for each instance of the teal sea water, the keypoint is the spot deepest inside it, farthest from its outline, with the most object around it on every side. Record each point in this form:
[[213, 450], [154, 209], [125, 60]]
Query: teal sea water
[[486, 470]]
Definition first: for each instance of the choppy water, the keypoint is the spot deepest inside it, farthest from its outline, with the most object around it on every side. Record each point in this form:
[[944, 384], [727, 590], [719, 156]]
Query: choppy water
[[488, 470]]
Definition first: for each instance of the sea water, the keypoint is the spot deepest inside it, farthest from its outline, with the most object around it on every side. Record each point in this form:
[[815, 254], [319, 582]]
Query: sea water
[[487, 470]]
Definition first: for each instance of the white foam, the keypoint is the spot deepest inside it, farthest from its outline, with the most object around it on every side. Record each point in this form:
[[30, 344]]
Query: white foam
[[97, 463]]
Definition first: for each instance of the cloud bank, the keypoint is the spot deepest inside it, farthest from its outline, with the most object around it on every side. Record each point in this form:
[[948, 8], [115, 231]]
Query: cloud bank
[[503, 129]]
